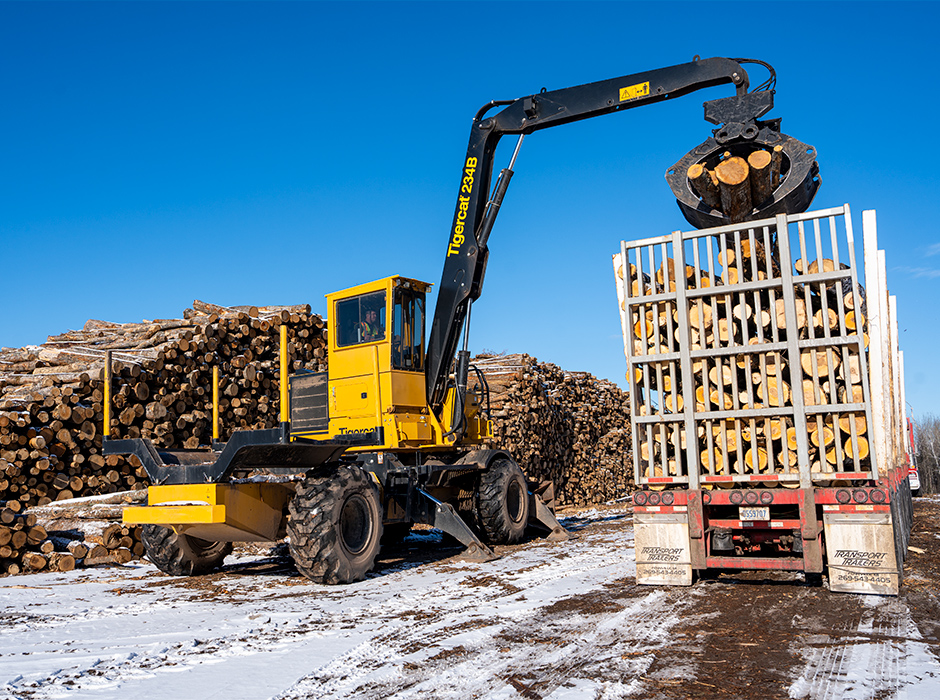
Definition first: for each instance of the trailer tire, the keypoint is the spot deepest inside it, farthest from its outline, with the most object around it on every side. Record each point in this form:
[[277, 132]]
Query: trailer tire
[[335, 526], [707, 574], [181, 555], [813, 579], [503, 502]]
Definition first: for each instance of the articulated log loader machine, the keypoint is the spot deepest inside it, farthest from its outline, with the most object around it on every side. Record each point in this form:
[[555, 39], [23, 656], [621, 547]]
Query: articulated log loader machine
[[391, 435]]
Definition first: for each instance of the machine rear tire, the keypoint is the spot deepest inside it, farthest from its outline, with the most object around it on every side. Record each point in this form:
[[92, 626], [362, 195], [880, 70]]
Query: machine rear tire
[[182, 555], [503, 502], [335, 526]]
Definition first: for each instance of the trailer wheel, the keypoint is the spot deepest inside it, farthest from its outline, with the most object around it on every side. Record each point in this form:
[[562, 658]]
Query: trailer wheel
[[181, 555], [335, 526], [813, 579], [503, 502]]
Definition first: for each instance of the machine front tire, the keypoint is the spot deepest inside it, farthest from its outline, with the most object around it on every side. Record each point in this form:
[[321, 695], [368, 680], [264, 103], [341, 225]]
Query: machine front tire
[[503, 502], [335, 526], [182, 555]]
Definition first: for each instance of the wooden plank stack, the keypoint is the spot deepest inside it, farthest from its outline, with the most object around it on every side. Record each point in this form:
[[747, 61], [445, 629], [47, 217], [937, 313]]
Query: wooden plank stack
[[566, 427], [51, 395]]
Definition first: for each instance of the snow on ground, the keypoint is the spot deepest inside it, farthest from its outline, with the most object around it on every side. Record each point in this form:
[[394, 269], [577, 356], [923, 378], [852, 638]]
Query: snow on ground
[[134, 633], [546, 620], [881, 654]]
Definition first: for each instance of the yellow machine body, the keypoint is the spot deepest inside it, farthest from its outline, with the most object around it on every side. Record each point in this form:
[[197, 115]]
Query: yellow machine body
[[376, 379], [376, 350], [217, 512]]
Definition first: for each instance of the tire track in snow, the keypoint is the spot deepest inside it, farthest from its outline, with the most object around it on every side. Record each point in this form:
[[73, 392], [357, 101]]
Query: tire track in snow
[[508, 660], [636, 629], [512, 589], [870, 659], [289, 618], [822, 663]]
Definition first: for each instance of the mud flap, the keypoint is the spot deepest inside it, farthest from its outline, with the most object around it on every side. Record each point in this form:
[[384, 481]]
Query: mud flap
[[445, 518], [663, 549], [540, 516], [861, 552]]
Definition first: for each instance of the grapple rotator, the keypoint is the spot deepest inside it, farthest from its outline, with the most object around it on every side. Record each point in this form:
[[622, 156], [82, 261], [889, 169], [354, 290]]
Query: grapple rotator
[[741, 134]]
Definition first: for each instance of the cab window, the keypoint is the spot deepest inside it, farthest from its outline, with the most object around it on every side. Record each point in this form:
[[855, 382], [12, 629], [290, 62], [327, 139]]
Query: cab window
[[360, 319], [408, 330]]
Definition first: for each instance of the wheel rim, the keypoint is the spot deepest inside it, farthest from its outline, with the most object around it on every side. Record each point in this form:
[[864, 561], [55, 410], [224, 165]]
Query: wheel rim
[[515, 505], [355, 524], [199, 546]]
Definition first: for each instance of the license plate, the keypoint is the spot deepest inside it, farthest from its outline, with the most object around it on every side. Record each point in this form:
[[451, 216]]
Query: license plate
[[754, 512]]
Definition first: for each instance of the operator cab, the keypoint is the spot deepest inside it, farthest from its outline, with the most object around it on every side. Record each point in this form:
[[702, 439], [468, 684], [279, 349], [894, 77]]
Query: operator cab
[[375, 390], [363, 318]]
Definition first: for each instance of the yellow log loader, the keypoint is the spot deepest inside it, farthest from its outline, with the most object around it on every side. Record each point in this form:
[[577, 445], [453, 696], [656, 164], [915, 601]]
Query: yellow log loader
[[391, 435]]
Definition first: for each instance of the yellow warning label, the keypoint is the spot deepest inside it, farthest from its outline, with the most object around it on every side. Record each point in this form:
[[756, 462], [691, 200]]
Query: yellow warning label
[[634, 91]]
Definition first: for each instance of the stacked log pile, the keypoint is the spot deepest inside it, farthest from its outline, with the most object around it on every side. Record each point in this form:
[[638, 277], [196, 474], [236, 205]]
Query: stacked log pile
[[70, 534], [51, 395], [565, 427], [738, 184], [731, 373]]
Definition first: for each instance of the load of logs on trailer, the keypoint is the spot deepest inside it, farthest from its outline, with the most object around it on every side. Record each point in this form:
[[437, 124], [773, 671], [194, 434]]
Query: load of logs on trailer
[[569, 428], [737, 184], [728, 377]]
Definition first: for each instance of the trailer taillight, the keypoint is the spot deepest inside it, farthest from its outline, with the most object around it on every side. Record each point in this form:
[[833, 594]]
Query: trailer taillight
[[877, 496], [751, 497], [639, 498], [860, 496], [706, 498], [668, 499], [766, 497], [736, 497], [653, 499], [843, 496]]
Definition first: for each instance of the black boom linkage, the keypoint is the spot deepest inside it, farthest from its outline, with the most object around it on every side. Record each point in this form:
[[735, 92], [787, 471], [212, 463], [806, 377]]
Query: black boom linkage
[[466, 254]]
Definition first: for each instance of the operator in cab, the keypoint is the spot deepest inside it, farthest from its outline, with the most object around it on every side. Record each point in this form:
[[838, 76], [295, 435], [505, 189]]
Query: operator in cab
[[370, 328]]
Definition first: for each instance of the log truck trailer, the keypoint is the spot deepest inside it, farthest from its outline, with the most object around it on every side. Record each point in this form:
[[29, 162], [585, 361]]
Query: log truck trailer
[[391, 435], [767, 401]]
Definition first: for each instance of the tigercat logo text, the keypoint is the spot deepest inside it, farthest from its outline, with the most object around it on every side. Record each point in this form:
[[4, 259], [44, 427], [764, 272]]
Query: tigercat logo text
[[356, 431], [463, 206]]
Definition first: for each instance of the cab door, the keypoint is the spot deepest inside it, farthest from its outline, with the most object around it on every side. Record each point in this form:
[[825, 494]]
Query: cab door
[[406, 379], [359, 349]]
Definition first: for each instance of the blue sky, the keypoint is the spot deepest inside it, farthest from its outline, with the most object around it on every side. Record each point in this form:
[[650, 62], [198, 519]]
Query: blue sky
[[152, 154]]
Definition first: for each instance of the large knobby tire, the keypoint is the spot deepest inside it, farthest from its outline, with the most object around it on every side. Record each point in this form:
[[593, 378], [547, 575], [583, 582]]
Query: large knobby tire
[[182, 555], [503, 502], [335, 526]]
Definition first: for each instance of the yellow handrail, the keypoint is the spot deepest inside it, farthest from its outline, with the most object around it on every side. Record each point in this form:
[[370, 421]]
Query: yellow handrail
[[215, 403], [284, 400]]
